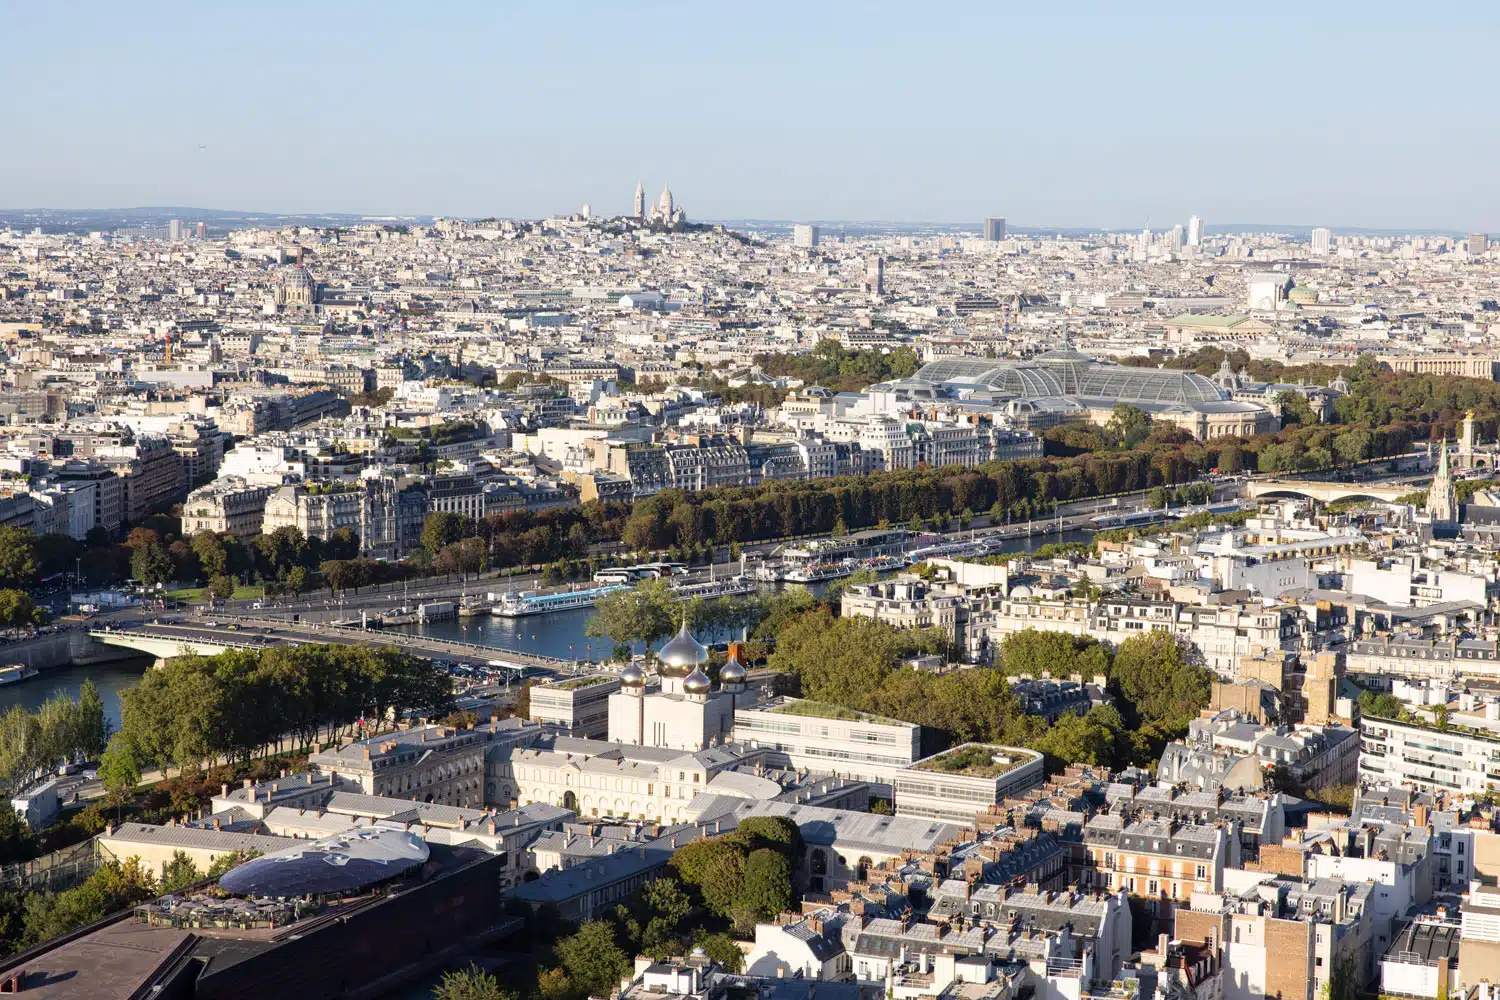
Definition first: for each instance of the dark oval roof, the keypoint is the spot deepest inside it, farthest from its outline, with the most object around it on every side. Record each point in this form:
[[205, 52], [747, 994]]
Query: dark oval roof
[[345, 862]]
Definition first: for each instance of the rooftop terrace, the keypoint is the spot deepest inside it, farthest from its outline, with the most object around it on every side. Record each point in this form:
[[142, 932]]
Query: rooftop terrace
[[974, 760], [824, 710]]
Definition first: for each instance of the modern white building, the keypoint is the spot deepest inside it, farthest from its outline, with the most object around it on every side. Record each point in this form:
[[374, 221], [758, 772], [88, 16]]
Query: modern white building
[[805, 236], [1406, 583], [578, 706], [800, 733], [958, 784], [1195, 231], [1424, 757]]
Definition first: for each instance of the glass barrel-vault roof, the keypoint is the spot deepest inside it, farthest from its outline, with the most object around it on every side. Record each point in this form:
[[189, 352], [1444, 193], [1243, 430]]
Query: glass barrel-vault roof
[[1059, 376]]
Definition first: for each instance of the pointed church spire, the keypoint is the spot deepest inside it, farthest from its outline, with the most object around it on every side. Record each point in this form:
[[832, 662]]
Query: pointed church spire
[[1442, 500]]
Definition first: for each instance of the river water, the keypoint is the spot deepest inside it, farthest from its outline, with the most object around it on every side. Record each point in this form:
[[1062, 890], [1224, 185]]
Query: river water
[[110, 678], [559, 634]]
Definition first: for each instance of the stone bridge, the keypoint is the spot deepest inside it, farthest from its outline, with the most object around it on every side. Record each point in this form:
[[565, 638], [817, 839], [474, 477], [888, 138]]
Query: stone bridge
[[164, 640], [1324, 492]]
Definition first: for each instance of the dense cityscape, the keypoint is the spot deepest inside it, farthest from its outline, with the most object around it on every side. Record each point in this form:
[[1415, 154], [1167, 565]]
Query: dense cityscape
[[708, 592]]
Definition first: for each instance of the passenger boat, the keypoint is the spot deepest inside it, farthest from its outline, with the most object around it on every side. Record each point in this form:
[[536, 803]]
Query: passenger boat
[[531, 602]]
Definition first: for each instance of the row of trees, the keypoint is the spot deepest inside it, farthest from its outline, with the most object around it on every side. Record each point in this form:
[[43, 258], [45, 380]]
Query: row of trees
[[527, 538], [1005, 489], [64, 728], [155, 552], [243, 702]]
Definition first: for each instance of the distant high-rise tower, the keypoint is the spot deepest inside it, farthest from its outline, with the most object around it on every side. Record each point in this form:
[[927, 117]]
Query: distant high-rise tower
[[994, 229], [805, 236], [1195, 231], [1478, 244], [174, 230], [1174, 238], [1143, 242], [640, 201], [1442, 501], [1322, 240], [201, 230], [875, 276]]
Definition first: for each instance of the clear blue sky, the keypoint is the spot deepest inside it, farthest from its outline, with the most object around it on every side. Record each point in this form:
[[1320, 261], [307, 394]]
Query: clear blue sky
[[1109, 114]]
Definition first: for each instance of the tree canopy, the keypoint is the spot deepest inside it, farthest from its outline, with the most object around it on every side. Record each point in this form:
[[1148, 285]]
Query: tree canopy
[[594, 962], [1152, 673], [237, 703]]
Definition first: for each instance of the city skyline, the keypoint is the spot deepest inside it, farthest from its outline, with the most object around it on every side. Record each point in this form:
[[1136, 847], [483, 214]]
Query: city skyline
[[1103, 120], [87, 219]]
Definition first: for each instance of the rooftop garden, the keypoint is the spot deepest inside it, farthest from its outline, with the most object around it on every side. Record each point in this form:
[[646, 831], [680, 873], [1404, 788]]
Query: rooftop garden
[[574, 683], [824, 710], [331, 486], [975, 760]]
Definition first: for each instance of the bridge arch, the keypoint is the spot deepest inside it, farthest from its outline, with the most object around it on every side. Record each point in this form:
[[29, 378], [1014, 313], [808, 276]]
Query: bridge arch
[[1326, 492], [1328, 497]]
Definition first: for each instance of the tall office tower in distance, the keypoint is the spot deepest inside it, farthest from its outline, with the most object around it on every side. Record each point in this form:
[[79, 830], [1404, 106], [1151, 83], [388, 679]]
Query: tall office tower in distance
[[1478, 244], [174, 230], [640, 201], [201, 230], [1322, 240], [1195, 231], [994, 230], [1143, 242], [875, 276], [805, 236], [1174, 238]]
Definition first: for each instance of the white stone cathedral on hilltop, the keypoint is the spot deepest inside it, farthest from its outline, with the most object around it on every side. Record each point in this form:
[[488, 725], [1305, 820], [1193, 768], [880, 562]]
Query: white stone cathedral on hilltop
[[685, 713], [665, 211]]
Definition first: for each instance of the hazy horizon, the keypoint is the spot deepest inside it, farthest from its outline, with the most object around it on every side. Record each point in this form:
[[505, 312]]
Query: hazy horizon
[[192, 212], [1089, 117]]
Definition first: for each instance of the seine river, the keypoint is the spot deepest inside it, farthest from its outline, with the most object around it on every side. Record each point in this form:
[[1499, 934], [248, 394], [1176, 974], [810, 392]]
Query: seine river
[[559, 634], [110, 678]]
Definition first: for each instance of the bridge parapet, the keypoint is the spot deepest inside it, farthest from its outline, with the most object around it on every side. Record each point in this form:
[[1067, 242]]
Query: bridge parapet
[[1324, 492]]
